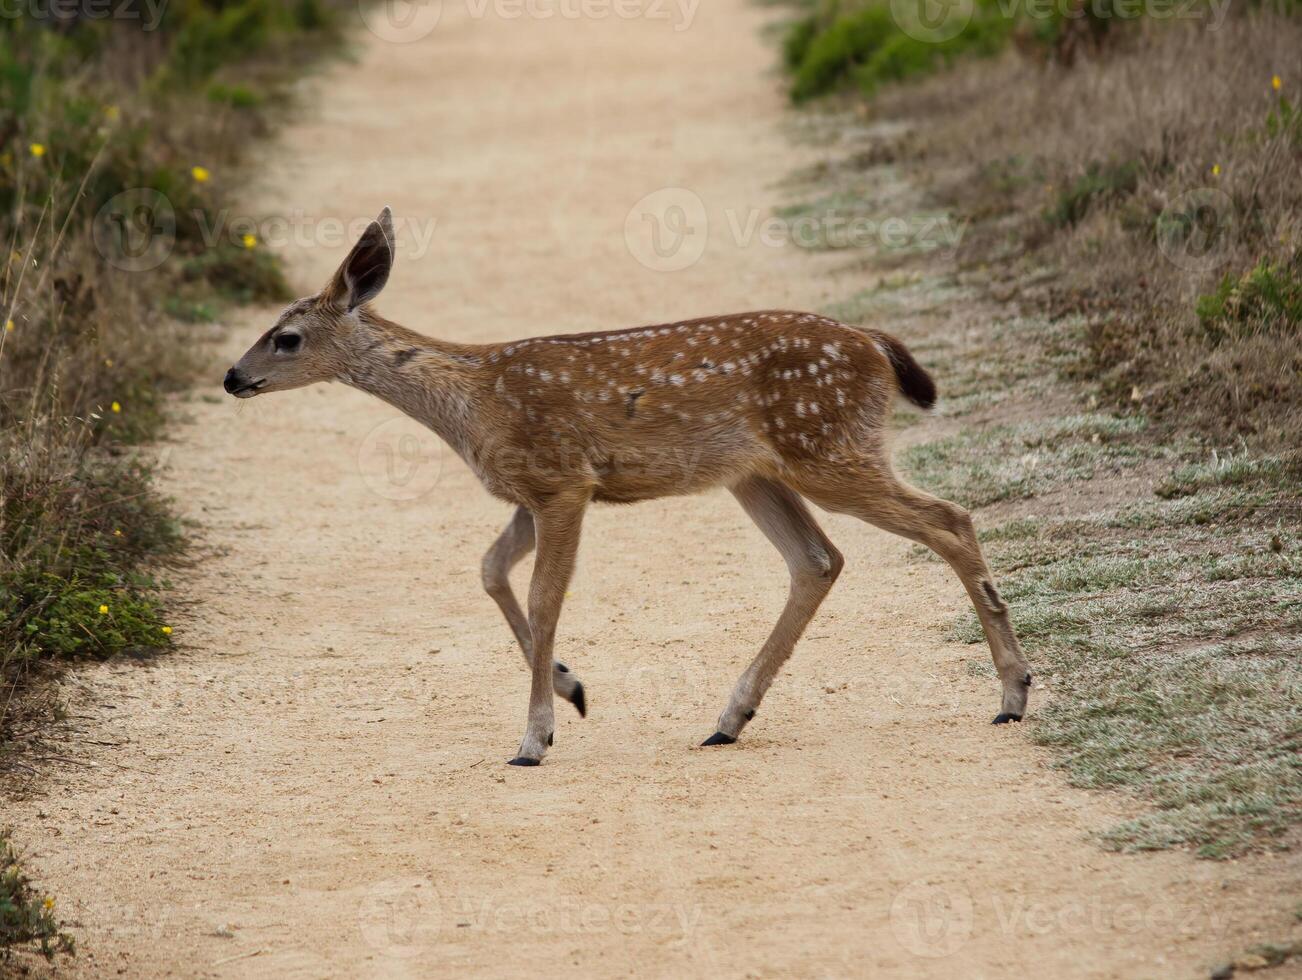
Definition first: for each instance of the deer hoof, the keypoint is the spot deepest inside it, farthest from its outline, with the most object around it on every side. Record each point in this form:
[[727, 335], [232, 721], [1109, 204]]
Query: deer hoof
[[579, 700], [718, 738], [1005, 717], [524, 760]]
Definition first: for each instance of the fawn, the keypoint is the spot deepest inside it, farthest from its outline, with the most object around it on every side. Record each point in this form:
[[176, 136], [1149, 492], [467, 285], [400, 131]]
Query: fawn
[[776, 406]]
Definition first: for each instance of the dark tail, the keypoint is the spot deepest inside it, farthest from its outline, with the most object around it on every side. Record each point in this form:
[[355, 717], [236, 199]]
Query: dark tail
[[915, 383]]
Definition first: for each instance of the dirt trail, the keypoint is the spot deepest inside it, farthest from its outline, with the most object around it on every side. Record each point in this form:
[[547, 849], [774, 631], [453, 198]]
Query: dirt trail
[[314, 783]]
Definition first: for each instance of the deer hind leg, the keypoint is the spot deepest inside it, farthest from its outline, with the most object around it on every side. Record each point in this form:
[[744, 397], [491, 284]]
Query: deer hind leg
[[875, 495], [814, 563], [516, 541]]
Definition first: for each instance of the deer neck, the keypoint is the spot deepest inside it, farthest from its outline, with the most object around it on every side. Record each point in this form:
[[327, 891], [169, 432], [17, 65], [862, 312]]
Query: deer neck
[[428, 379]]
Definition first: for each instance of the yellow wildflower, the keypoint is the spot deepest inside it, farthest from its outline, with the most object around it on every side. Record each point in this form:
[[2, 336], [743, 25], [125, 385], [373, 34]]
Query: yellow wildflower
[[117, 532], [103, 610], [108, 362], [199, 173], [167, 630], [1276, 82], [48, 903], [9, 326], [38, 149], [1216, 169], [249, 240], [116, 406], [111, 111]]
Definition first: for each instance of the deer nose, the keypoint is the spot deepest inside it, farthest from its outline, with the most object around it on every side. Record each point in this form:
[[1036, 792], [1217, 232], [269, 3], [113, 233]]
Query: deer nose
[[233, 381]]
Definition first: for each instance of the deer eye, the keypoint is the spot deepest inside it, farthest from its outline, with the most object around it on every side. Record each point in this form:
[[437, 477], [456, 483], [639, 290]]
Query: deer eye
[[288, 342]]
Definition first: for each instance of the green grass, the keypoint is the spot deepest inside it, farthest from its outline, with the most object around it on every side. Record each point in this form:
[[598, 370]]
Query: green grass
[[1175, 654], [1008, 462], [1265, 299], [863, 45]]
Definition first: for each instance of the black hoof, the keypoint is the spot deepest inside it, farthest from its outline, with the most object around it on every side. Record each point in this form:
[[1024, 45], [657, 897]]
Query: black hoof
[[718, 738], [551, 738], [579, 700], [524, 761], [1005, 717]]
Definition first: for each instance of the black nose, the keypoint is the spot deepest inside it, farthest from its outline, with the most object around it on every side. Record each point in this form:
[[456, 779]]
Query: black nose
[[234, 381]]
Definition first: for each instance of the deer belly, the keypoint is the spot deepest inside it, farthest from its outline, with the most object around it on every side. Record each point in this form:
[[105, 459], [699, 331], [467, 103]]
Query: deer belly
[[669, 468]]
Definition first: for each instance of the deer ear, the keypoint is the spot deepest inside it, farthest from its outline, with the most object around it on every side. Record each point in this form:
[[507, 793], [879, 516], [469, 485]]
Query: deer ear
[[366, 270], [385, 221]]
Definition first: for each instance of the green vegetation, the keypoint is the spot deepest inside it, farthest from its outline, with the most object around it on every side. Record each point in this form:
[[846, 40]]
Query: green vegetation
[[104, 120], [1267, 297], [120, 148], [25, 919], [866, 45], [1099, 183]]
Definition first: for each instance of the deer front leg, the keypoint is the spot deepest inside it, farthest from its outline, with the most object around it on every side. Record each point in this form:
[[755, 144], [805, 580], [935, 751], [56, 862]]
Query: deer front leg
[[513, 544], [814, 563], [556, 527]]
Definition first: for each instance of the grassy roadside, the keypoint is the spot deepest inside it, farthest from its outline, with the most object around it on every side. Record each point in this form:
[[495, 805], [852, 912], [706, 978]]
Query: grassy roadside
[[121, 143], [1117, 340]]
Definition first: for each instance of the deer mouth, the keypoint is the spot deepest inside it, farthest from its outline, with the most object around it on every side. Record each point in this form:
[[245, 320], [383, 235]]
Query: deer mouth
[[250, 389]]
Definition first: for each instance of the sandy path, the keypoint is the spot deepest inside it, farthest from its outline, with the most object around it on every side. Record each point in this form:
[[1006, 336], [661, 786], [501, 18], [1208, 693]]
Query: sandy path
[[320, 766]]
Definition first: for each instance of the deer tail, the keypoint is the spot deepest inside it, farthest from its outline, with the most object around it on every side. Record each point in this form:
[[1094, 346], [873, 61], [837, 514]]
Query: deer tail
[[915, 383]]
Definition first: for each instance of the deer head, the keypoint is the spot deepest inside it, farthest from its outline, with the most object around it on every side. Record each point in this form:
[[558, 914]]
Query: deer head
[[309, 342]]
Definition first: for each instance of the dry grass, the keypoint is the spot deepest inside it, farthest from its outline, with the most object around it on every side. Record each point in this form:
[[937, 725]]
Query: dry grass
[[1099, 170], [1119, 396]]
